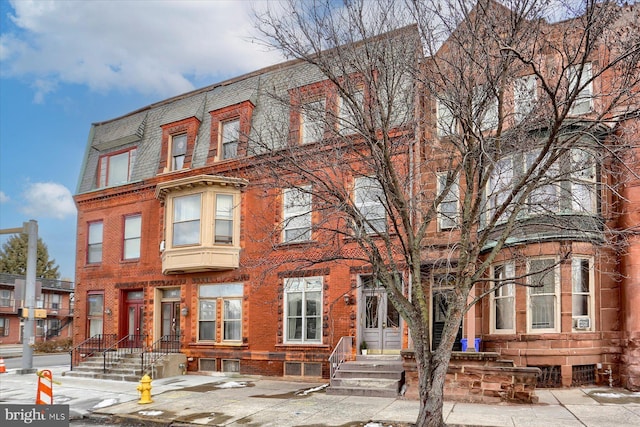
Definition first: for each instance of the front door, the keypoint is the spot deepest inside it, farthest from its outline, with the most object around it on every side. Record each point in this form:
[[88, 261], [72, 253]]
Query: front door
[[170, 318], [132, 325], [380, 320]]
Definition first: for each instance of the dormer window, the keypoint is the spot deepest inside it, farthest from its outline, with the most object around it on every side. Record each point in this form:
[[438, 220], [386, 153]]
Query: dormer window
[[312, 120], [178, 151], [230, 138], [230, 128], [178, 142], [115, 168]]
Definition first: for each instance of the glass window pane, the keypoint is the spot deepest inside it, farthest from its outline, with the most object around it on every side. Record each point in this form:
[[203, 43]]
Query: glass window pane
[[179, 145], [207, 310], [207, 331], [118, 168], [186, 208], [294, 304], [542, 312], [95, 232]]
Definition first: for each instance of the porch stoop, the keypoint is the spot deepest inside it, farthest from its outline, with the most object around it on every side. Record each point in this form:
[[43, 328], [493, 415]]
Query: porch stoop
[[375, 376], [127, 367]]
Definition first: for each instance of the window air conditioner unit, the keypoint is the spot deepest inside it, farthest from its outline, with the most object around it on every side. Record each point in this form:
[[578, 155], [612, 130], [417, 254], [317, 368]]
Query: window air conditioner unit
[[582, 323]]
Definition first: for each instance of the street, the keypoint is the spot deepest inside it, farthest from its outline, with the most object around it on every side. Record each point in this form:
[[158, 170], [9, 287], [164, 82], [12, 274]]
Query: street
[[40, 361]]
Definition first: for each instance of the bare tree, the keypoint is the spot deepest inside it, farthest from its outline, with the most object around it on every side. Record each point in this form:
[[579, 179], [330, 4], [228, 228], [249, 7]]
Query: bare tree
[[462, 129]]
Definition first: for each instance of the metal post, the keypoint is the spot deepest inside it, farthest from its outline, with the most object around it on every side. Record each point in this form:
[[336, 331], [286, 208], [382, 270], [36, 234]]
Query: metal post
[[28, 337]]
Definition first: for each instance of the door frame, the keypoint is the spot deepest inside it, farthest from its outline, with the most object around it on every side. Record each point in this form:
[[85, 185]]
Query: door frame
[[124, 325], [383, 302]]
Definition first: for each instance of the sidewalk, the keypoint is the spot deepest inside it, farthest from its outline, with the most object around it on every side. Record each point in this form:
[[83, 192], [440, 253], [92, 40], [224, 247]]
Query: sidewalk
[[262, 401]]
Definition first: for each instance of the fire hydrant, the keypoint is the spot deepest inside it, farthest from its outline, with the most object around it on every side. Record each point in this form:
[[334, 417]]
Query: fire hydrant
[[145, 389]]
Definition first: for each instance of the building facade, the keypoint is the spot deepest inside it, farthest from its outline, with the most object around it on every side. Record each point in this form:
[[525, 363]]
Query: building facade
[[54, 305], [185, 234]]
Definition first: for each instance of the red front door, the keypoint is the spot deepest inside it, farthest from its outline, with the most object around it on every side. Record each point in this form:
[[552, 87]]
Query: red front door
[[132, 324]]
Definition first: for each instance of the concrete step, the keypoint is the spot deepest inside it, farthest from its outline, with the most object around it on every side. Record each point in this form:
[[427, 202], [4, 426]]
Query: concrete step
[[379, 376], [361, 391]]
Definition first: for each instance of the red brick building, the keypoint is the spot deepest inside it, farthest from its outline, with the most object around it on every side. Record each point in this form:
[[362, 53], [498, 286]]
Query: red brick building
[[54, 299], [183, 234]]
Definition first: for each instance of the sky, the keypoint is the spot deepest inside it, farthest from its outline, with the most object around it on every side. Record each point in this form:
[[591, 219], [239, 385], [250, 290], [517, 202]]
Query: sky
[[67, 64]]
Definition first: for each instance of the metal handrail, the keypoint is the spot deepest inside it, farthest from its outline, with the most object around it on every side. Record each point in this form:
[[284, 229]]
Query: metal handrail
[[90, 346], [341, 353], [128, 344], [165, 345]]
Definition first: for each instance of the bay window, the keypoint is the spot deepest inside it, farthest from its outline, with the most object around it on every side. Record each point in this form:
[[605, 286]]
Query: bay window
[[583, 181], [581, 292], [186, 219], [503, 298], [579, 79], [223, 226], [543, 278], [525, 96], [500, 183]]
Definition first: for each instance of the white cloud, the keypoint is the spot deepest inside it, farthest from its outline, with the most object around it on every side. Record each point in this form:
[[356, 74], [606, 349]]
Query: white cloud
[[3, 197], [48, 200], [152, 47]]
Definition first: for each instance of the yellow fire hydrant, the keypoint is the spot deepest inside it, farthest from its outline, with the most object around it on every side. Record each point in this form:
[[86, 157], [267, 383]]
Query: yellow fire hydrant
[[145, 389]]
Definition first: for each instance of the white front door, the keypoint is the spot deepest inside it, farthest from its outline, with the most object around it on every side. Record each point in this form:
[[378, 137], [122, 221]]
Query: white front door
[[379, 319]]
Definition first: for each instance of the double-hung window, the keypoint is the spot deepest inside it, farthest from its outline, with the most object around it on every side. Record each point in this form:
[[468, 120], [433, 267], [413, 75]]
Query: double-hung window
[[579, 78], [348, 116], [543, 278], [544, 198], [303, 310], [224, 219], [94, 243], [503, 298], [500, 183], [525, 96], [485, 108], [116, 168], [581, 291], [178, 151], [230, 138], [583, 181], [296, 214], [186, 219], [6, 297], [95, 313], [369, 196], [445, 120], [448, 209], [224, 302], [313, 121], [132, 234], [4, 326]]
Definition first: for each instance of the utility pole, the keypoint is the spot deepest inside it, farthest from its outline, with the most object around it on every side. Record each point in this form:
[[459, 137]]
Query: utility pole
[[28, 338]]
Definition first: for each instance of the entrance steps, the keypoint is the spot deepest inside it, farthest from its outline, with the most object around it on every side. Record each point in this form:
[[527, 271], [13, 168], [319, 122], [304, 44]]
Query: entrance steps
[[127, 367], [375, 376]]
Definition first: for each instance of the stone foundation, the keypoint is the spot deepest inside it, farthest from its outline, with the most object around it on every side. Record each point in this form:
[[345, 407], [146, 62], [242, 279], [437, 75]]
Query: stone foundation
[[478, 377]]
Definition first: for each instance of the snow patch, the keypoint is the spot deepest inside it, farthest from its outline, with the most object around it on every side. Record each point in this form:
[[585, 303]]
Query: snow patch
[[150, 413], [232, 384], [105, 403], [311, 390]]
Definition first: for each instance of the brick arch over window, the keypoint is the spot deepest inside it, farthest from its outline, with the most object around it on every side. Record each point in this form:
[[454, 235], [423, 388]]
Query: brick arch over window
[[187, 126], [242, 112]]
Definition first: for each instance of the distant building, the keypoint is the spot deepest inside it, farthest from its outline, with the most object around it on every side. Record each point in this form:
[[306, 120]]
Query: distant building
[[54, 298]]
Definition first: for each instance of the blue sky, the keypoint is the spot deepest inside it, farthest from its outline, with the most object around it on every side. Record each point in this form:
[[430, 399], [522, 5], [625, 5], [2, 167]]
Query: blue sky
[[67, 64]]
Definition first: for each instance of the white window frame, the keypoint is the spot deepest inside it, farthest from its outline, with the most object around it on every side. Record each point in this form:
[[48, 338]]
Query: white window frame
[[312, 121], [535, 293], [304, 286], [6, 298], [506, 293], [178, 151], [224, 219], [583, 103], [488, 118], [296, 213], [229, 138], [347, 118], [499, 187], [207, 313], [446, 123], [217, 297], [228, 320], [116, 168], [132, 237], [583, 181], [366, 194], [5, 326], [545, 198], [95, 238], [578, 292], [525, 96], [187, 218], [447, 219]]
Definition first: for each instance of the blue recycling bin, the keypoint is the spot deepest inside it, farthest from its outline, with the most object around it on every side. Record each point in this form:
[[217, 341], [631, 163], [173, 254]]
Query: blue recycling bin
[[476, 344], [463, 341]]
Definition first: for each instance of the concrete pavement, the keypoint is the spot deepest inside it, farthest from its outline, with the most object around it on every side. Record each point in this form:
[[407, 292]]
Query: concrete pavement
[[225, 400]]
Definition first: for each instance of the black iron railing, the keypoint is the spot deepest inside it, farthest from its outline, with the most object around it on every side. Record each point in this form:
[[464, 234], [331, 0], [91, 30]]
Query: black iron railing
[[91, 346], [165, 345], [129, 344]]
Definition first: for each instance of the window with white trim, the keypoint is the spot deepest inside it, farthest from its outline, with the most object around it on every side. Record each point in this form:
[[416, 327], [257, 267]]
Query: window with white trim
[[132, 234], [448, 208], [303, 310], [503, 298], [116, 168], [94, 242], [368, 198], [544, 299], [223, 227], [525, 96], [312, 121], [296, 214], [4, 327], [485, 108], [445, 120], [581, 293], [583, 181], [348, 114], [500, 183], [230, 138], [579, 78], [6, 297], [186, 219], [544, 198], [220, 301], [178, 151]]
